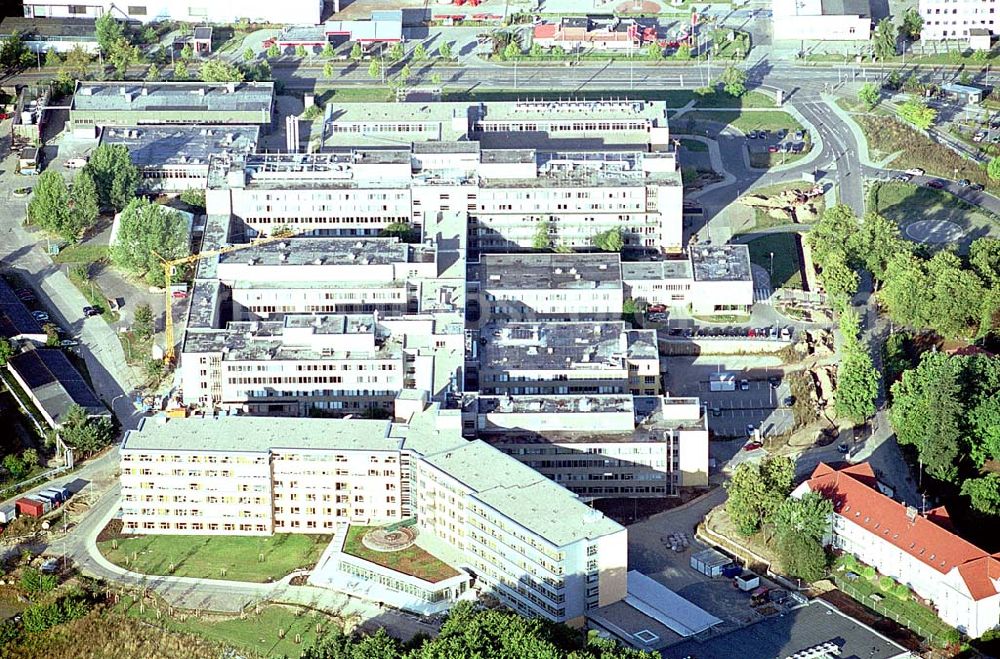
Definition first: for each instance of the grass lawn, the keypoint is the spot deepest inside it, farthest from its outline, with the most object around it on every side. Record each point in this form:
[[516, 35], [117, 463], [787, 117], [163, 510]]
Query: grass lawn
[[906, 203], [413, 560], [82, 254], [887, 136], [257, 633], [206, 556], [351, 94], [694, 146], [773, 120], [909, 613], [787, 265], [767, 160], [95, 296]]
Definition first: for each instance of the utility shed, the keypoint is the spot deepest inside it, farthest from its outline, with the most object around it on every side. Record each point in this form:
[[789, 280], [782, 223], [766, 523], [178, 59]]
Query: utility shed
[[710, 562], [963, 93]]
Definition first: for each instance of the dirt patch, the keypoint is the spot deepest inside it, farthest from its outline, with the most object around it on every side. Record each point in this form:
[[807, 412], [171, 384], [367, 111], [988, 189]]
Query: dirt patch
[[855, 610], [629, 511], [113, 531], [641, 7]]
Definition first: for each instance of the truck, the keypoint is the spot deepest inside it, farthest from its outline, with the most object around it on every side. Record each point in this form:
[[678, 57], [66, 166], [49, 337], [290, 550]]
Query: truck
[[722, 382], [8, 513], [31, 507]]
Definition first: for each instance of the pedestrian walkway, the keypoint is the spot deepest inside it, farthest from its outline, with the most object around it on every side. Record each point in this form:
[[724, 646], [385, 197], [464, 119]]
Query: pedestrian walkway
[[762, 295]]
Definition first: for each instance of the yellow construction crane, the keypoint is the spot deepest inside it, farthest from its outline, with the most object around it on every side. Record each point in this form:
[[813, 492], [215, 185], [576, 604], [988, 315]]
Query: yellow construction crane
[[170, 266]]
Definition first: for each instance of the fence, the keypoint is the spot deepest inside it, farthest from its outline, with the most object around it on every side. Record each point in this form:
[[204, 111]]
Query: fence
[[934, 636]]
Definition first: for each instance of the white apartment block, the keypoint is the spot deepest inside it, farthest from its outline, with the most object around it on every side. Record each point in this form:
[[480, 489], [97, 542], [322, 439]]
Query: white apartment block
[[548, 286], [822, 20], [530, 542], [599, 445], [305, 12], [566, 358], [960, 580], [712, 279], [965, 20]]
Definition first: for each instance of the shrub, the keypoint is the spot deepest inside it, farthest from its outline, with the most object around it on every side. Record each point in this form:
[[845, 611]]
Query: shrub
[[901, 591], [886, 584], [868, 572]]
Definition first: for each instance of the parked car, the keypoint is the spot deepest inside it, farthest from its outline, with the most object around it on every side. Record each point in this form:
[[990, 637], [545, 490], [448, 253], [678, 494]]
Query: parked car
[[75, 163], [800, 135], [69, 343], [40, 315], [901, 177], [844, 448], [915, 171], [744, 385], [774, 382], [773, 148], [653, 308], [753, 446], [964, 183], [91, 311], [936, 184], [752, 135], [976, 186]]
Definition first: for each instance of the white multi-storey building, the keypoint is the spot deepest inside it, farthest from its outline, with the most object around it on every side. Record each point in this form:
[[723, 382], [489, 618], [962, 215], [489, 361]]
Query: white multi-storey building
[[822, 20], [531, 543], [305, 12], [960, 580], [959, 20], [566, 358]]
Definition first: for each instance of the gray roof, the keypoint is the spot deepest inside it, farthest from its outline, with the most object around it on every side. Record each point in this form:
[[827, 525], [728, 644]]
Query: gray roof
[[55, 383], [551, 404], [656, 270], [49, 29], [721, 263], [550, 271], [846, 7], [522, 494], [15, 319], [794, 631], [330, 251], [554, 345], [173, 96], [260, 434], [155, 146]]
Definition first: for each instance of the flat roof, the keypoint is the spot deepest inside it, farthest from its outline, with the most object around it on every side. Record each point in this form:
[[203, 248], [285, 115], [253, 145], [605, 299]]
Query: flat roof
[[665, 606], [173, 96], [15, 319], [803, 628], [550, 271], [554, 404], [55, 382], [151, 146], [522, 494], [721, 262], [657, 270], [554, 345], [49, 29], [331, 251], [260, 434]]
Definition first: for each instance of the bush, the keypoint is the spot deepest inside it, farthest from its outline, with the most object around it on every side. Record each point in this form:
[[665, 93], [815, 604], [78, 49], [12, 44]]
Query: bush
[[34, 582], [194, 197], [901, 591], [886, 584], [868, 572]]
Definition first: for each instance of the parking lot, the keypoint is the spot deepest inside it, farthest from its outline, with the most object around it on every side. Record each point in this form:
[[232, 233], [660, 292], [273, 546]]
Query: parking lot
[[761, 406]]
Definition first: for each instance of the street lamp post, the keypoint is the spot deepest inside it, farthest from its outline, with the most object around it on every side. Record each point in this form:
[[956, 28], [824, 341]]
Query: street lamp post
[[771, 271]]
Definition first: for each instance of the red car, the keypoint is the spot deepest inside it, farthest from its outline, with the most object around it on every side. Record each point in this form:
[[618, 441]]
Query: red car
[[934, 183], [772, 149], [753, 446], [656, 308]]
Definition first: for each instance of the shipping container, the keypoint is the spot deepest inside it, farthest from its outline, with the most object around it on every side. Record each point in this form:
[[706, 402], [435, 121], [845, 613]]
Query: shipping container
[[30, 507], [44, 496], [747, 581], [8, 513], [710, 562], [54, 494]]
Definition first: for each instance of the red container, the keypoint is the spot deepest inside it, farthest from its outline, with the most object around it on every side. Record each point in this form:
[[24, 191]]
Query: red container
[[30, 507]]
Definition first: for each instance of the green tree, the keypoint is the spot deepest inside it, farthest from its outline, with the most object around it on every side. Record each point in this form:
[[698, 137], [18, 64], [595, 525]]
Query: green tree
[[654, 51], [51, 335], [756, 491], [884, 39], [117, 179], [436, 79], [6, 351], [215, 70], [981, 55], [153, 73], [194, 197], [543, 235], [917, 113], [108, 31], [444, 50], [857, 385], [374, 69], [181, 72], [147, 232], [273, 51], [300, 51], [405, 74], [143, 323], [248, 54], [419, 53], [984, 493], [328, 51], [83, 206], [14, 54], [328, 70], [808, 516], [802, 557], [49, 206], [903, 292], [187, 53], [683, 52], [357, 52], [78, 62], [734, 81], [869, 95], [535, 50], [876, 242], [956, 296], [30, 458], [912, 24], [927, 414], [512, 51], [84, 434], [402, 230], [993, 169], [123, 55], [611, 240], [52, 59], [15, 467], [984, 256], [396, 52]]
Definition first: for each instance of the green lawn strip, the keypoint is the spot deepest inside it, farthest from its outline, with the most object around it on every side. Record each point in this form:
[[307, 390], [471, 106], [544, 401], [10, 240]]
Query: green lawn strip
[[257, 633], [694, 146], [413, 560], [906, 203], [767, 160], [910, 612], [366, 94], [204, 556], [745, 121], [82, 254], [787, 266], [95, 296]]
